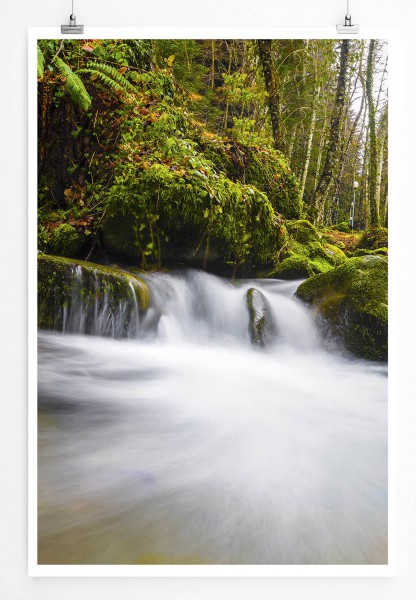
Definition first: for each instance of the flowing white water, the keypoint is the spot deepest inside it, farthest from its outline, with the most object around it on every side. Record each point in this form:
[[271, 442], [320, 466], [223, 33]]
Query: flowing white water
[[189, 445]]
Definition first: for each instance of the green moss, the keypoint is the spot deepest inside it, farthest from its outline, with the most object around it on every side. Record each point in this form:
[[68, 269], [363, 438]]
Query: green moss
[[303, 231], [330, 238], [64, 240], [265, 168], [335, 254], [343, 226], [182, 211], [58, 278], [352, 300], [305, 242], [376, 237], [366, 252], [292, 267]]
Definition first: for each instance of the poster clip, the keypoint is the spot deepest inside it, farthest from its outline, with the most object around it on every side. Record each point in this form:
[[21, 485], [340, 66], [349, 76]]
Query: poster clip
[[348, 27], [72, 27]]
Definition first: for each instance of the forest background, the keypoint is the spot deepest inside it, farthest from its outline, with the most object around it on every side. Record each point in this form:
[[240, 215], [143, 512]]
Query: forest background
[[187, 151]]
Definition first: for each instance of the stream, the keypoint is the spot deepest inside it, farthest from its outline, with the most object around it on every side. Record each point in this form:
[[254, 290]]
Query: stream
[[184, 444]]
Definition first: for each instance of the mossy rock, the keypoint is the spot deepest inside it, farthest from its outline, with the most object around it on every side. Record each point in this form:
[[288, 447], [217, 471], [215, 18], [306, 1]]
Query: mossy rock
[[335, 254], [305, 242], [303, 231], [376, 237], [365, 252], [293, 267], [234, 223], [265, 168], [343, 226], [352, 300], [64, 240], [262, 327], [88, 298]]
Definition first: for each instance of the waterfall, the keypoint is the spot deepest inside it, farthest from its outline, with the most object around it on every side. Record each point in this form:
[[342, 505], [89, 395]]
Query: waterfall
[[192, 306], [183, 442]]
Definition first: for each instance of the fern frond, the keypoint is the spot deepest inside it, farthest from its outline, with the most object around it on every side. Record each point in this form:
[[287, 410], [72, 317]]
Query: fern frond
[[73, 85], [110, 76], [41, 63], [108, 83]]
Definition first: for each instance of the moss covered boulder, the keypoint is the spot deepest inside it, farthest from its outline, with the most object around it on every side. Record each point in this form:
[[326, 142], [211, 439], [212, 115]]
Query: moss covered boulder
[[352, 300], [262, 327], [365, 252], [265, 168], [184, 214], [306, 243], [343, 226], [84, 297], [293, 267], [376, 237]]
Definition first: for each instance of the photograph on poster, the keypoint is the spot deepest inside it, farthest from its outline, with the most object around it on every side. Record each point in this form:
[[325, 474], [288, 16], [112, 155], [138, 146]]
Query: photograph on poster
[[212, 301]]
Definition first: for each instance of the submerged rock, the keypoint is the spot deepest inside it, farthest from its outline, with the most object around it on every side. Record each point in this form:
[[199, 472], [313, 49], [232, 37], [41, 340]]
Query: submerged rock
[[262, 327], [84, 297], [352, 300]]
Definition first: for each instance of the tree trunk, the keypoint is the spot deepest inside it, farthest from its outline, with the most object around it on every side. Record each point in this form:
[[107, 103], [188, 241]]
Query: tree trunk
[[265, 52], [321, 193], [372, 159], [309, 144]]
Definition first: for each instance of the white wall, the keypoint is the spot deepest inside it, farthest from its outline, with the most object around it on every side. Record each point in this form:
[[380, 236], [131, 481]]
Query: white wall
[[16, 17]]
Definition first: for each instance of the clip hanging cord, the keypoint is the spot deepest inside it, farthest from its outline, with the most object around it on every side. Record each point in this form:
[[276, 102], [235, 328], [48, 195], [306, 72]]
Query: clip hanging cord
[[72, 27], [347, 16]]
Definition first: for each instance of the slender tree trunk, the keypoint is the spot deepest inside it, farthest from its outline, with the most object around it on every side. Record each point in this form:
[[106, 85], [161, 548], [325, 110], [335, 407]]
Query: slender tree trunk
[[372, 159], [382, 140], [212, 64], [364, 208], [265, 52], [227, 105], [320, 196], [289, 151], [309, 144]]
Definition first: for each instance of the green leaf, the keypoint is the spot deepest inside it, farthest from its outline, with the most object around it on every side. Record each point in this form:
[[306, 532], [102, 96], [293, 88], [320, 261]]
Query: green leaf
[[73, 85], [41, 63]]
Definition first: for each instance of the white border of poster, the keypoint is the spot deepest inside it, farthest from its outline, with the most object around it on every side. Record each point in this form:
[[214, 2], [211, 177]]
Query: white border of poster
[[388, 570]]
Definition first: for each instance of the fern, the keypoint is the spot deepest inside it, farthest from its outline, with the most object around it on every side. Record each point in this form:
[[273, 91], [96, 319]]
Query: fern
[[111, 78], [41, 63], [73, 85]]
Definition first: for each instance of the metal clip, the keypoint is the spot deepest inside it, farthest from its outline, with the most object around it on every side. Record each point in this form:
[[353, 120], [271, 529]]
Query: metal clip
[[72, 27], [348, 27]]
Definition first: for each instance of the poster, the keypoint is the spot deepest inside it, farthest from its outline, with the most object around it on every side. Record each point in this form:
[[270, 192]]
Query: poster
[[212, 306]]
